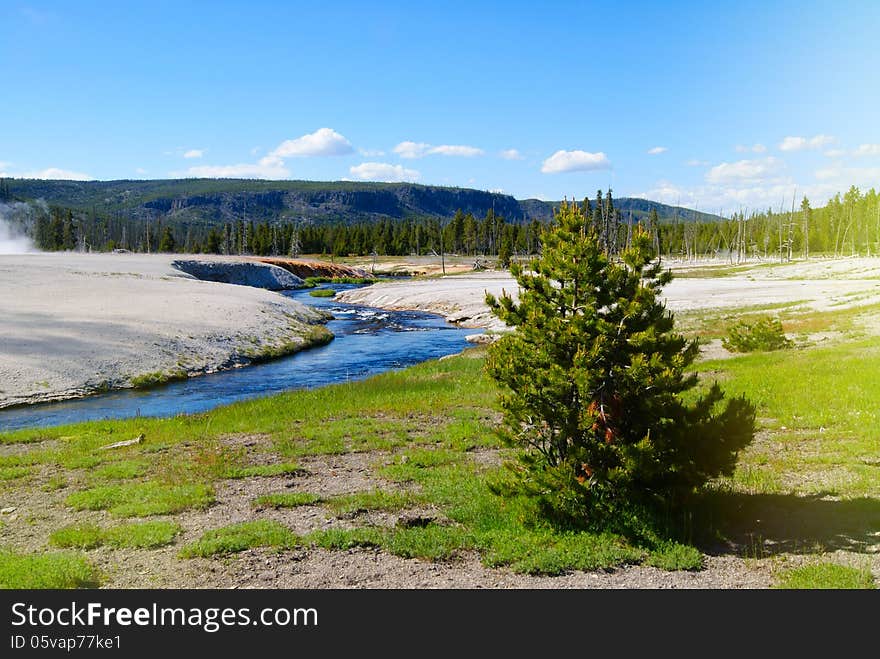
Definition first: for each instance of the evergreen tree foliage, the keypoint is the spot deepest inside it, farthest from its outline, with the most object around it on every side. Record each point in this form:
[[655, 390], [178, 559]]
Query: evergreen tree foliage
[[592, 382], [167, 242]]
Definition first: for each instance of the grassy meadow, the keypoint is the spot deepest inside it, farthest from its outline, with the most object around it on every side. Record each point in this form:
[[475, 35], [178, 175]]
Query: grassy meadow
[[805, 496]]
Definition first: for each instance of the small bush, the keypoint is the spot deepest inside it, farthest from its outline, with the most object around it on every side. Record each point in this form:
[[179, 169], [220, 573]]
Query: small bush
[[763, 334]]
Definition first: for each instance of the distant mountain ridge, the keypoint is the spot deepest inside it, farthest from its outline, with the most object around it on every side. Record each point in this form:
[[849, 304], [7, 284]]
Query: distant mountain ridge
[[213, 201]]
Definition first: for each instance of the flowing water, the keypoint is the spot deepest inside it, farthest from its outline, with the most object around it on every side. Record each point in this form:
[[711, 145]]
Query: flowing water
[[368, 341]]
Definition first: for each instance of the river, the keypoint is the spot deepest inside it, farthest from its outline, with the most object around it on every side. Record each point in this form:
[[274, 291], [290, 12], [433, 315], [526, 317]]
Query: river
[[368, 341]]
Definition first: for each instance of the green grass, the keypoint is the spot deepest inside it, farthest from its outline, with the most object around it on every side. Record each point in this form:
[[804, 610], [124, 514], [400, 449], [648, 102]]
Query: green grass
[[322, 292], [122, 470], [239, 537], [283, 469], [54, 483], [348, 504], [826, 576], [77, 536], [818, 388], [139, 535], [432, 542], [42, 571], [142, 499], [12, 473], [342, 539], [287, 500], [675, 556]]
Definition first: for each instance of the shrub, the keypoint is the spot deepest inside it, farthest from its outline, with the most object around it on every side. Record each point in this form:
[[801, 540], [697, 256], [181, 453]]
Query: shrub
[[763, 334]]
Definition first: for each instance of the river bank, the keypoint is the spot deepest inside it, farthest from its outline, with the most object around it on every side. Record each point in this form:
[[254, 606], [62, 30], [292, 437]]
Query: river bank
[[818, 285], [75, 324]]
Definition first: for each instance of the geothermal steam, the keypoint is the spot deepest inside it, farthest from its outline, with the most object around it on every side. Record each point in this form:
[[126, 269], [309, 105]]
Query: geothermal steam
[[13, 237]]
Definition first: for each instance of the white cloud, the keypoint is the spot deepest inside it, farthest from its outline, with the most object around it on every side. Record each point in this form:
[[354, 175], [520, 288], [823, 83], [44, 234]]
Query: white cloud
[[774, 194], [844, 177], [54, 173], [270, 167], [801, 143], [371, 153], [664, 192], [323, 142], [380, 171], [511, 154], [835, 153], [723, 199], [575, 161], [412, 149], [868, 150], [421, 149], [456, 150], [140, 170], [827, 173], [693, 162], [656, 150], [755, 148], [194, 153], [744, 170]]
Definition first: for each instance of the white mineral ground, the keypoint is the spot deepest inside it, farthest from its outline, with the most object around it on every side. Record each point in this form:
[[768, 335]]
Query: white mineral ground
[[818, 285], [73, 323]]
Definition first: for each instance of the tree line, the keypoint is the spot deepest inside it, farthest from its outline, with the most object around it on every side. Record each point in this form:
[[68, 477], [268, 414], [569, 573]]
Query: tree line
[[57, 229], [848, 225]]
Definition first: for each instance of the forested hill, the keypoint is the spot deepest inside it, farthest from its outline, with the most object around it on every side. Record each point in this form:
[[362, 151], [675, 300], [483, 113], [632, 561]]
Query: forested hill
[[217, 201]]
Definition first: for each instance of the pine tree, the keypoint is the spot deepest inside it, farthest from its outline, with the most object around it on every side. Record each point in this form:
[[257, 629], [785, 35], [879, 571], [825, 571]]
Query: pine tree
[[167, 242], [591, 381]]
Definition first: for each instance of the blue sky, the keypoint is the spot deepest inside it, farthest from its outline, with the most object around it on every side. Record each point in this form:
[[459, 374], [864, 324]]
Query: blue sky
[[718, 106]]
